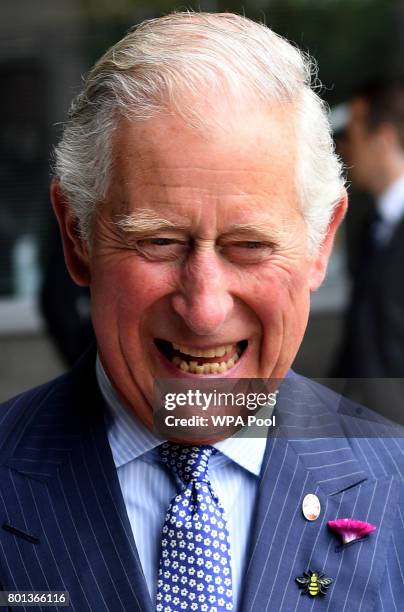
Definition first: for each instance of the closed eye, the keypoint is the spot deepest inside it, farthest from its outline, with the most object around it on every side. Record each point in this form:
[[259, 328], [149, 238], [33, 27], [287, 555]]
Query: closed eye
[[247, 251], [251, 244], [161, 248], [159, 241]]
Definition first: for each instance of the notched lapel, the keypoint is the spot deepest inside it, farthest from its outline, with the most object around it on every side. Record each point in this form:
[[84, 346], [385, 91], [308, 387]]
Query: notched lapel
[[359, 569], [284, 544], [60, 485]]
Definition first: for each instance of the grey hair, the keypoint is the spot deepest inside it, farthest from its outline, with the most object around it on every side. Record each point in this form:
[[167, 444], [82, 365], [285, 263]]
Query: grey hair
[[160, 60]]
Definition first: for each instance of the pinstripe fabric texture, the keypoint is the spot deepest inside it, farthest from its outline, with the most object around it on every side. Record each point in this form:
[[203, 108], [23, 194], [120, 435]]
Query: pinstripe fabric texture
[[58, 483], [147, 487]]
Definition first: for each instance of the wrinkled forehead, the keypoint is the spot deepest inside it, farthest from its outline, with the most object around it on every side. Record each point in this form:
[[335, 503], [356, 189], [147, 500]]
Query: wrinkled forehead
[[234, 149], [211, 183]]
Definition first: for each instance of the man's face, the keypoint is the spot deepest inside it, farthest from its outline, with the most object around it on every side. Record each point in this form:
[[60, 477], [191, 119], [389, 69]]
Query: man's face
[[211, 266], [360, 146]]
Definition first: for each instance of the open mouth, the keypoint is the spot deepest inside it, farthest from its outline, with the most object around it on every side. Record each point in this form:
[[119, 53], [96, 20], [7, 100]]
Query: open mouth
[[213, 360]]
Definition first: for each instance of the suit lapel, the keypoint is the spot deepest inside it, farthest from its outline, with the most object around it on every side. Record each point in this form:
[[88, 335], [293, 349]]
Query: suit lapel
[[65, 491], [59, 486], [284, 544]]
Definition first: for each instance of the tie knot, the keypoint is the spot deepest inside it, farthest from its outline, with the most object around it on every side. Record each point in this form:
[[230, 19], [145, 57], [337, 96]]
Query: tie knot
[[187, 462]]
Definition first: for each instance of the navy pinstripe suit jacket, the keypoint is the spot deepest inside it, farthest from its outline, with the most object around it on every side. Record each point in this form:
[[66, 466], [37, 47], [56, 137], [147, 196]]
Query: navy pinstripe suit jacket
[[63, 523]]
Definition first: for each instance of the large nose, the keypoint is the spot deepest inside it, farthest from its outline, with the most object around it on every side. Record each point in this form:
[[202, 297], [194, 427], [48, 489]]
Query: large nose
[[204, 301]]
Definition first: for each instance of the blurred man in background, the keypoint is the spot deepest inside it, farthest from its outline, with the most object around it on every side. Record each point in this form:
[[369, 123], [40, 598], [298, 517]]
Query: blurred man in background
[[372, 145]]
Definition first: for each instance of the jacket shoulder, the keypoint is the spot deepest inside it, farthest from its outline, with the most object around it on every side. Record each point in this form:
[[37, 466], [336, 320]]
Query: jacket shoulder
[[18, 412], [59, 396], [377, 442]]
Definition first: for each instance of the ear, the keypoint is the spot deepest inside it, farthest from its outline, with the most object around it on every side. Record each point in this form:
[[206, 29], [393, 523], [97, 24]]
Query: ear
[[320, 261], [75, 249]]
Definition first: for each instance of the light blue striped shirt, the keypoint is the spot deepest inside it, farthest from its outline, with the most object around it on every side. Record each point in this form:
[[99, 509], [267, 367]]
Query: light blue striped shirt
[[147, 487]]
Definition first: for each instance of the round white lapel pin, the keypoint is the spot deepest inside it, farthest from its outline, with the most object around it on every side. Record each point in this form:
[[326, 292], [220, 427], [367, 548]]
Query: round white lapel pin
[[311, 507]]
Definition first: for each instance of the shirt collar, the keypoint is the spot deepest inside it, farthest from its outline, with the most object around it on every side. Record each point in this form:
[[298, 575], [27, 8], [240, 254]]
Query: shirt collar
[[390, 204], [130, 439]]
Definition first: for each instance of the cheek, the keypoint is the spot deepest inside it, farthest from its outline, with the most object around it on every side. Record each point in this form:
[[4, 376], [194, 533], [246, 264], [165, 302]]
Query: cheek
[[124, 294], [278, 296]]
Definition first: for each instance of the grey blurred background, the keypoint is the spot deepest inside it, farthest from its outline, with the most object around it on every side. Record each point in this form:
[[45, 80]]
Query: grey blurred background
[[46, 46]]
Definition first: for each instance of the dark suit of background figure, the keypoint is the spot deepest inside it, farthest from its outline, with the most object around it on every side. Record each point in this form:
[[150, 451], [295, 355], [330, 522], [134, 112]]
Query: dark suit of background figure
[[374, 342]]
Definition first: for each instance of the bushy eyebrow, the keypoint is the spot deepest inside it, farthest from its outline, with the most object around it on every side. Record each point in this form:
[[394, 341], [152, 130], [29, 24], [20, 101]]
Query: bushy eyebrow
[[145, 222], [260, 231]]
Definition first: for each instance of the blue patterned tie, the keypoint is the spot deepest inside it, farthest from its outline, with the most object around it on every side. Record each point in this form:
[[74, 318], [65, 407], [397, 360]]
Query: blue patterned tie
[[195, 570]]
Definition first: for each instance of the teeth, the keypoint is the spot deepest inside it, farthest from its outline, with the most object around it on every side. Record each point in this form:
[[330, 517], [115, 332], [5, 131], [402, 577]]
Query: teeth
[[217, 351], [217, 367], [206, 368], [220, 351], [230, 363]]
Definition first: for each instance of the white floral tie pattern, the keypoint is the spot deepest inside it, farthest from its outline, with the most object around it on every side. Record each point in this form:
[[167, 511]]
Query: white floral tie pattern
[[195, 571]]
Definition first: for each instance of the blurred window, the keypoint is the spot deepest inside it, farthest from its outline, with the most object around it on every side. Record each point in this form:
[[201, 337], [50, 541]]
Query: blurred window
[[23, 174], [24, 152]]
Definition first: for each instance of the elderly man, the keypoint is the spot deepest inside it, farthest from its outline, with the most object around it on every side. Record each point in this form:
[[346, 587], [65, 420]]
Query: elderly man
[[198, 195]]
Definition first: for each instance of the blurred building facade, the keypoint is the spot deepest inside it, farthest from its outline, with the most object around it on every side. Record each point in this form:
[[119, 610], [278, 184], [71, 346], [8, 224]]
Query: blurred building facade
[[41, 59]]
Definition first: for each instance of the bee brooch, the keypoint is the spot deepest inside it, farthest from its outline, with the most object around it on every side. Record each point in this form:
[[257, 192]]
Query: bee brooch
[[313, 583]]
